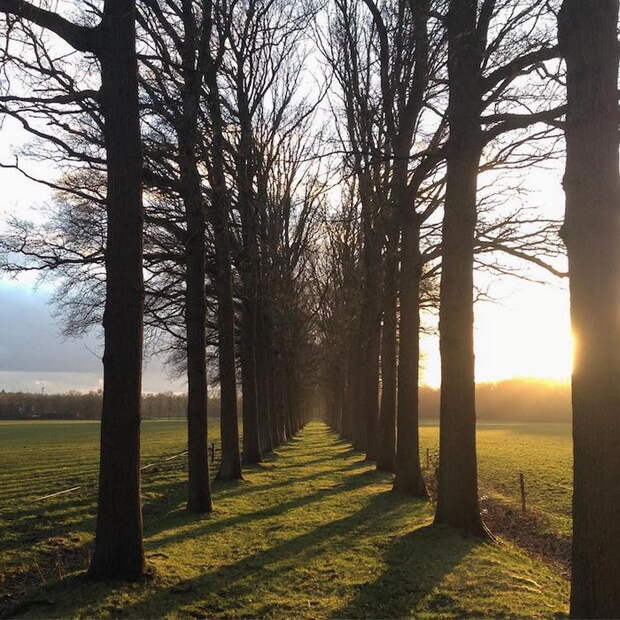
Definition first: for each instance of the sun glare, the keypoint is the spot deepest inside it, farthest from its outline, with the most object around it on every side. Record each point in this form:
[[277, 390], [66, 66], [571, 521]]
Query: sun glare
[[529, 337]]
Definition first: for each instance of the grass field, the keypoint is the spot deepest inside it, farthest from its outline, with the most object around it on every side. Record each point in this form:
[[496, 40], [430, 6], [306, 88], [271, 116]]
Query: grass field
[[39, 458], [314, 532], [542, 452]]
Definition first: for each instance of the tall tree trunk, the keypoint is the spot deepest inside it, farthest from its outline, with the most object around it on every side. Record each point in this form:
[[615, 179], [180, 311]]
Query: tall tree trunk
[[262, 378], [457, 502], [357, 385], [251, 437], [347, 412], [408, 471], [371, 307], [387, 448], [199, 496], [199, 499], [591, 231], [370, 386], [248, 269], [118, 541], [274, 392], [230, 465]]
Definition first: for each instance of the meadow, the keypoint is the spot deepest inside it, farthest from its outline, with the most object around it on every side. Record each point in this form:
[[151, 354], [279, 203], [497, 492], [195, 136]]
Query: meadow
[[315, 515]]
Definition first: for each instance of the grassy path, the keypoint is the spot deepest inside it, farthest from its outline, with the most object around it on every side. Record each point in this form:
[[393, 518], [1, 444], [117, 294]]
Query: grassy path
[[313, 532]]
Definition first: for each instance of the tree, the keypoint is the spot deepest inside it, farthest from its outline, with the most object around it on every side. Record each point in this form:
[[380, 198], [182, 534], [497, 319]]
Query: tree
[[192, 71], [475, 83], [458, 486], [588, 39], [118, 542], [380, 56]]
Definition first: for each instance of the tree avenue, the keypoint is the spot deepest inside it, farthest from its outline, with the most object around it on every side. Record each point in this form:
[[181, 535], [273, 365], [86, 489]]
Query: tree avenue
[[284, 199]]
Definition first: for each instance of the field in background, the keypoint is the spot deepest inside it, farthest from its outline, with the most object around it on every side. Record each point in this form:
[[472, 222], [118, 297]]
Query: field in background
[[541, 452], [314, 532], [38, 458]]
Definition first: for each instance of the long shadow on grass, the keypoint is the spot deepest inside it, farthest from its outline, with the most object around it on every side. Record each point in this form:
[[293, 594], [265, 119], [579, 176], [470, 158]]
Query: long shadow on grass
[[285, 564], [231, 489], [416, 564], [212, 524]]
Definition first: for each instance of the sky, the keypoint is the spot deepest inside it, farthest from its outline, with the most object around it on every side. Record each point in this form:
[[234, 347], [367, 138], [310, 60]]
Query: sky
[[34, 356], [524, 332]]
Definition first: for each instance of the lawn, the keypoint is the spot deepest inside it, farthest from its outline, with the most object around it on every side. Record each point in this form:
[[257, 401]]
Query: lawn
[[39, 458], [313, 532], [542, 452]]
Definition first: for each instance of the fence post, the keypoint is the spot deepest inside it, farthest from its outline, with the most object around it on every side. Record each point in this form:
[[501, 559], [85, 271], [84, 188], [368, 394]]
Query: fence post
[[212, 453], [522, 486], [428, 459]]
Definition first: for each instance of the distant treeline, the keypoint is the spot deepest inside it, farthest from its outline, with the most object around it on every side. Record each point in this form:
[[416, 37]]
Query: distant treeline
[[87, 406], [512, 400]]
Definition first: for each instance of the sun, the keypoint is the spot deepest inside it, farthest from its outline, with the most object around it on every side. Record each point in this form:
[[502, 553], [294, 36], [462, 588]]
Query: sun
[[528, 335]]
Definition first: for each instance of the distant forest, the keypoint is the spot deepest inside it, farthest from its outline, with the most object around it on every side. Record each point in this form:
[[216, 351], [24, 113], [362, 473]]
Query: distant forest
[[512, 400], [87, 406]]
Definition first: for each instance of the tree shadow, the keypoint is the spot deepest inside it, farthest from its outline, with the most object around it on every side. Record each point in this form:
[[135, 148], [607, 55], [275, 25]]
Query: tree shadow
[[416, 565], [218, 591], [211, 524]]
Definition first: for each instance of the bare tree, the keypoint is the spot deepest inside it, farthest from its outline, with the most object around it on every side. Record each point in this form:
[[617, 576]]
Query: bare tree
[[118, 542], [476, 81], [588, 40]]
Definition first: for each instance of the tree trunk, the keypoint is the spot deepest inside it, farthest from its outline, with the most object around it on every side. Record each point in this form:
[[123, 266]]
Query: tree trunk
[[372, 344], [274, 393], [587, 34], [457, 502], [118, 541], [262, 379], [199, 495], [347, 412], [199, 499], [230, 465], [408, 471], [357, 403], [251, 438], [387, 448]]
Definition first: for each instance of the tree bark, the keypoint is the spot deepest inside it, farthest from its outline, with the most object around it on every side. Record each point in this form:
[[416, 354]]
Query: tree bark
[[230, 465], [118, 541], [591, 231], [371, 327], [357, 405], [199, 492], [387, 448], [457, 502], [408, 471], [251, 437], [262, 379]]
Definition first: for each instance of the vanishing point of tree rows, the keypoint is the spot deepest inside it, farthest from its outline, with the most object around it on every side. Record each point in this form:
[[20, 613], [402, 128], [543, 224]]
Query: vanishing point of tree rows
[[275, 194]]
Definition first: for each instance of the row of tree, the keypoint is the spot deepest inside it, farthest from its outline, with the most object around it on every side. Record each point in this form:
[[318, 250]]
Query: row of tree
[[434, 95], [87, 405], [202, 199], [186, 206]]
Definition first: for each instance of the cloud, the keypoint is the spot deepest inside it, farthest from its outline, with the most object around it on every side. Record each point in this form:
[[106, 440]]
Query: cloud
[[34, 354], [31, 339]]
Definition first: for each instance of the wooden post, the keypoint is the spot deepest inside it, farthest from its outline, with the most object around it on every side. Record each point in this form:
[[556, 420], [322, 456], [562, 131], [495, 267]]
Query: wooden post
[[428, 459], [522, 486], [212, 453]]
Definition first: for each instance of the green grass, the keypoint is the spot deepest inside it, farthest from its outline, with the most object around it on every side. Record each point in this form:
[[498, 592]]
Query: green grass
[[542, 452], [313, 532], [38, 458]]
